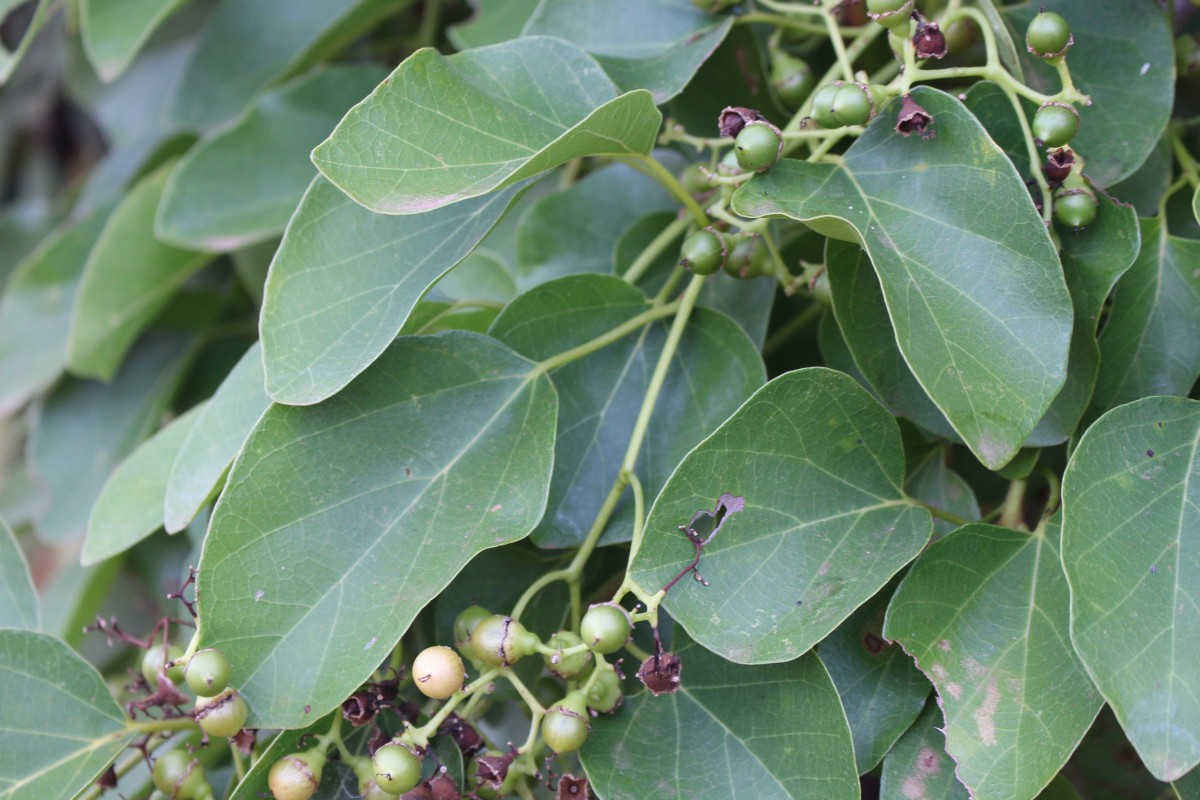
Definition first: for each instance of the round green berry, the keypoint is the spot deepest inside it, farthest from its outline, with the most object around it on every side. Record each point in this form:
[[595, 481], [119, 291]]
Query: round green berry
[[222, 716], [1048, 36], [758, 146], [891, 14], [1055, 124], [178, 775], [852, 105], [703, 252], [605, 694], [1075, 208], [567, 667], [438, 672], [397, 768], [500, 641], [565, 726], [606, 627], [694, 180], [154, 660], [822, 107], [749, 259], [207, 673], [296, 777], [792, 78]]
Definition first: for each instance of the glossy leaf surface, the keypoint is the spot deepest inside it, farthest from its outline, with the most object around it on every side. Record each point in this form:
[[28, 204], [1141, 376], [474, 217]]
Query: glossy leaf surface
[[114, 32]]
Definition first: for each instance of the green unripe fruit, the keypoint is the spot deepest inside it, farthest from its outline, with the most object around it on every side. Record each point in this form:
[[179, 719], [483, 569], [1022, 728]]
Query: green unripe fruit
[[758, 146], [1075, 208], [822, 107], [397, 769], [749, 259], [222, 716], [567, 667], [207, 673], [1055, 124], [178, 775], [606, 627], [605, 694], [1048, 36], [466, 622], [438, 672], [703, 252], [153, 661], [485, 789], [565, 726], [501, 641], [852, 105], [891, 14], [693, 180], [792, 78], [296, 777]]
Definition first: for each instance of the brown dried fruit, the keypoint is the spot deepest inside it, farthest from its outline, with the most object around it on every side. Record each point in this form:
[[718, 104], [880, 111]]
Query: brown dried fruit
[[660, 673], [914, 119], [1058, 166], [572, 788], [463, 733], [733, 118], [929, 41]]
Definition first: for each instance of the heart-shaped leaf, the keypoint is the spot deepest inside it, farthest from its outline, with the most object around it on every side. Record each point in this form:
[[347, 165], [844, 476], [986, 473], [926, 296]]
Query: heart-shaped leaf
[[18, 599], [442, 129], [772, 732], [825, 524], [241, 185], [959, 295], [339, 522], [343, 282], [985, 612], [918, 767], [60, 727], [214, 440], [1131, 495], [642, 44], [714, 370], [113, 33]]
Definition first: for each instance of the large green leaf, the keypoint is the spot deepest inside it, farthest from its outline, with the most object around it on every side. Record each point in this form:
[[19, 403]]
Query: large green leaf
[[975, 292], [494, 21], [1106, 767], [825, 523], [602, 393], [642, 44], [1131, 552], [114, 32], [772, 732], [35, 312], [85, 429], [442, 129], [129, 277], [214, 440], [18, 600], [241, 185], [36, 14], [918, 768], [985, 614], [1151, 342], [1188, 787], [1124, 58], [247, 44], [344, 280], [60, 727], [340, 522], [129, 507], [881, 691]]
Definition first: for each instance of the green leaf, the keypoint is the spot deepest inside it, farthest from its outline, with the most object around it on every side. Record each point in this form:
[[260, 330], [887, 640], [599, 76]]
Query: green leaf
[[1124, 59], [431, 316], [825, 526], [918, 768], [1188, 787], [442, 129], [18, 599], [1151, 342], [1131, 554], [344, 280], [248, 44], [713, 372], [1196, 204], [1106, 767], [1146, 187], [113, 33], [931, 481], [129, 507], [977, 299], [129, 277], [494, 21], [772, 732], [1008, 51], [881, 691], [35, 312], [734, 75], [85, 429], [205, 453], [37, 16], [338, 523], [241, 185], [60, 728], [482, 275], [642, 44], [985, 612]]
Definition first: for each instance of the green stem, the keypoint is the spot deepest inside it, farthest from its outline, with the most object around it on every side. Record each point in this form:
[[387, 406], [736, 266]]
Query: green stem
[[669, 286], [427, 32], [839, 47], [239, 767], [158, 726], [1011, 513], [1035, 157], [605, 339], [646, 258], [1186, 161], [522, 689], [649, 166], [535, 587], [639, 514], [635, 651], [779, 21], [420, 736], [1052, 481], [952, 518]]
